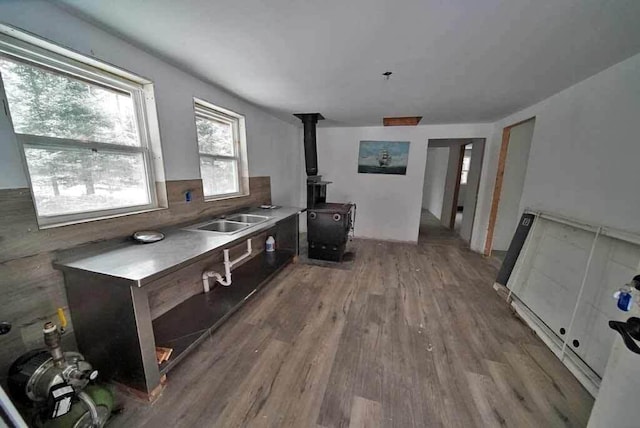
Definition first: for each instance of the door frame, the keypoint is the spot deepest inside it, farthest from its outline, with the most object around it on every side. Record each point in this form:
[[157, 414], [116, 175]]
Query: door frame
[[497, 188], [476, 189], [456, 190]]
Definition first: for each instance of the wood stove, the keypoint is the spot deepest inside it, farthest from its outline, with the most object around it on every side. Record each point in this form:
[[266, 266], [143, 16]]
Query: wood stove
[[328, 223]]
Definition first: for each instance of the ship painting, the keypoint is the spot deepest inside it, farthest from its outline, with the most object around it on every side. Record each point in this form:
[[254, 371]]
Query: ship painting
[[383, 157]]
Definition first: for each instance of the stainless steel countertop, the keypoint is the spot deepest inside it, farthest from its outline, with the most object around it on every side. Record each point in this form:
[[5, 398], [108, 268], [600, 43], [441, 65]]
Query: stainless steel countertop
[[142, 263]]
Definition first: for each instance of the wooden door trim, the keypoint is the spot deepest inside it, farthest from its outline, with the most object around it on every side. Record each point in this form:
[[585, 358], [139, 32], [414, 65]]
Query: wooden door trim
[[456, 191], [497, 189]]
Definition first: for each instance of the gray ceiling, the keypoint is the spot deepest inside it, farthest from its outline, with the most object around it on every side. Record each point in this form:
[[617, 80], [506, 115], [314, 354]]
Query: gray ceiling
[[452, 60]]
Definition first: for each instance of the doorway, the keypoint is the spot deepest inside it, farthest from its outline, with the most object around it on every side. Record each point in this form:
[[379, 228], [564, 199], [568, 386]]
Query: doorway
[[506, 206], [451, 182]]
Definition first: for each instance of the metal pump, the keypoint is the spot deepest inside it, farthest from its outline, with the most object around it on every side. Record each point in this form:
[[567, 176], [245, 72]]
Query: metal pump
[[56, 385]]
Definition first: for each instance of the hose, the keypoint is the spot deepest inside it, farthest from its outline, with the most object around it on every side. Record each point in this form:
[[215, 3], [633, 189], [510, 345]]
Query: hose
[[93, 410]]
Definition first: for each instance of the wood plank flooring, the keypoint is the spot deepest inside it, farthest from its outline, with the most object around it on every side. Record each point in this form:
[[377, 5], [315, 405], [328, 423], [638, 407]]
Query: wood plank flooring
[[412, 336]]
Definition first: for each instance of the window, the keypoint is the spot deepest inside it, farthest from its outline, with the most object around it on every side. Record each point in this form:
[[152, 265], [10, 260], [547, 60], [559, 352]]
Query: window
[[221, 146], [466, 164], [83, 134]]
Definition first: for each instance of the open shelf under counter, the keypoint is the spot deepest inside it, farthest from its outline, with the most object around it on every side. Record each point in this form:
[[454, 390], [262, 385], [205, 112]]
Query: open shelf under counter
[[125, 299], [189, 323]]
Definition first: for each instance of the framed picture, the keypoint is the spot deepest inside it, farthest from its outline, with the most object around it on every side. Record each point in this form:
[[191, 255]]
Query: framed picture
[[383, 157]]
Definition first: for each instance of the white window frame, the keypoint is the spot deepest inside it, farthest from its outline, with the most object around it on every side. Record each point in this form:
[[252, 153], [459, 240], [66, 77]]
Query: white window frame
[[66, 62], [206, 110]]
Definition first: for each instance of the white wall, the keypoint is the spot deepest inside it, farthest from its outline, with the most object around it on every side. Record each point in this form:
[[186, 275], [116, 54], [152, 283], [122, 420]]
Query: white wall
[[389, 206], [512, 184], [584, 154], [273, 145], [449, 204], [435, 175], [582, 163]]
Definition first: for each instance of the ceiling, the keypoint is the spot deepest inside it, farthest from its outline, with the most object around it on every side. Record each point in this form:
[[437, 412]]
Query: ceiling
[[453, 61]]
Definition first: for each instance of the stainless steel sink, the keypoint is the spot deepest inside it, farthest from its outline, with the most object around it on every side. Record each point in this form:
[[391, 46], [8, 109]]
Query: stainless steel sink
[[231, 224], [247, 218], [224, 226]]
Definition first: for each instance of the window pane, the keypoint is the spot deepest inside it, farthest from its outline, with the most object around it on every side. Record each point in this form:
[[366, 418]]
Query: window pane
[[67, 181], [219, 177], [51, 104], [214, 137]]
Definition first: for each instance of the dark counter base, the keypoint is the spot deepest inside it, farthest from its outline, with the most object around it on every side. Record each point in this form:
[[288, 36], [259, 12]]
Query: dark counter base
[[189, 323], [329, 252]]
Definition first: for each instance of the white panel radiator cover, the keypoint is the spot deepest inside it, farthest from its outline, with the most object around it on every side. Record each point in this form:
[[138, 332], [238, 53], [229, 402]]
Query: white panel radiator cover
[[563, 283]]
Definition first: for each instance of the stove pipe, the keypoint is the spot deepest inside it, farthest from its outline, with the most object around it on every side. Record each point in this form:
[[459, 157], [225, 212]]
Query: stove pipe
[[309, 121]]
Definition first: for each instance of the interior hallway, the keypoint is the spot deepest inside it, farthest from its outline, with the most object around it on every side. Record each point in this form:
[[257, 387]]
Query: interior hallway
[[432, 231], [412, 336]]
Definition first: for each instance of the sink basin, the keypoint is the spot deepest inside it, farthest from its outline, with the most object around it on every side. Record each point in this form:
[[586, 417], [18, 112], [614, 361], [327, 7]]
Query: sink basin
[[247, 218], [224, 226], [231, 224]]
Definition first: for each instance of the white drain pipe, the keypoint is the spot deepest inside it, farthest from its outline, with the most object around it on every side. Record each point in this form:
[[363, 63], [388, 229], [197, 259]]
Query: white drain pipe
[[228, 264]]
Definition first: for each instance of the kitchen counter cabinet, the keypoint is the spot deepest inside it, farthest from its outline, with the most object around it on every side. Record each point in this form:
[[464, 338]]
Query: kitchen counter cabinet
[[141, 264], [117, 320]]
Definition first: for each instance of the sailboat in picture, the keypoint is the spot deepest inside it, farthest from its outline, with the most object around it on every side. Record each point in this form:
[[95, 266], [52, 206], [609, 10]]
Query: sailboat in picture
[[384, 158]]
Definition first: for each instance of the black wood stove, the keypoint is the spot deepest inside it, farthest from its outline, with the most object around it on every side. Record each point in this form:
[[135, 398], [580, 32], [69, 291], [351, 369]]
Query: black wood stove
[[328, 223]]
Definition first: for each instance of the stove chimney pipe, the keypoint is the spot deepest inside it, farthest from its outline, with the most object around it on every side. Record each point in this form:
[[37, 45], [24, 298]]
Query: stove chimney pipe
[[309, 121]]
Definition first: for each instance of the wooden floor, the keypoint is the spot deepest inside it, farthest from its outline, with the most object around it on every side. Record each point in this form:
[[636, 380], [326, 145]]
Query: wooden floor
[[411, 336]]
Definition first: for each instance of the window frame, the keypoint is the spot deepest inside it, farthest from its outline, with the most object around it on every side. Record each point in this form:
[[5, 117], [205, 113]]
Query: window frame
[[206, 110], [61, 61]]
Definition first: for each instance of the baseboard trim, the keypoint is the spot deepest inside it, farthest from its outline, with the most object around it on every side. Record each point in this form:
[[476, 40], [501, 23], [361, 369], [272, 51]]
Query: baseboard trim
[[393, 241]]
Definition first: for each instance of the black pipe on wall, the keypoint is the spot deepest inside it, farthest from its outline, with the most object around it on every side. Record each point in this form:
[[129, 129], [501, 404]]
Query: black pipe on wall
[[309, 121]]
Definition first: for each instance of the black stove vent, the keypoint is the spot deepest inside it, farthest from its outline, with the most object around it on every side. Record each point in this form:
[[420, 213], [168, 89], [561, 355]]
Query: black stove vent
[[309, 121]]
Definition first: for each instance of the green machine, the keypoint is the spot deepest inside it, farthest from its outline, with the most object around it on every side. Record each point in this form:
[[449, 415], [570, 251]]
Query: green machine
[[58, 389]]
